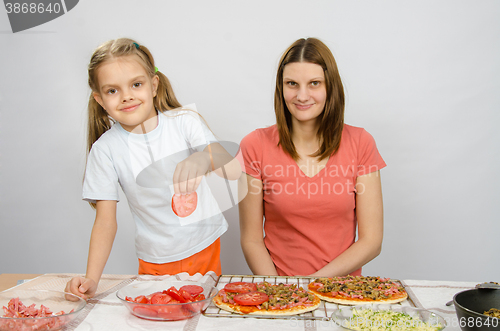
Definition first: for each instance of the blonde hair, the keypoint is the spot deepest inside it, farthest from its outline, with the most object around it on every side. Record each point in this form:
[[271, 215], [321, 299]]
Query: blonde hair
[[312, 50], [98, 119]]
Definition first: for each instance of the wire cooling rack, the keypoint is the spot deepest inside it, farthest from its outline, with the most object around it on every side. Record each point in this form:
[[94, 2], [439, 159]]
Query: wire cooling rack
[[323, 312]]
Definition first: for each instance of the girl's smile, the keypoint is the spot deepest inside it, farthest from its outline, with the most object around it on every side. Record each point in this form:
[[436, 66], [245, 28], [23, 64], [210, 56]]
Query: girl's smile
[[129, 109], [126, 92]]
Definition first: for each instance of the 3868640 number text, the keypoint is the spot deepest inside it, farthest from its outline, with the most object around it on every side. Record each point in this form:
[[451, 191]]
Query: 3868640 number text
[[32, 8]]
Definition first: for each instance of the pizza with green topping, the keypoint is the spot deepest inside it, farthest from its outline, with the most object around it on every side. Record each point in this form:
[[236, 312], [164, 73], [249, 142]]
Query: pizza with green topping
[[357, 290]]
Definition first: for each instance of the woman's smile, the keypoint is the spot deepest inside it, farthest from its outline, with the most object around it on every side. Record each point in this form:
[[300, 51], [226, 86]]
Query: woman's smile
[[303, 107], [304, 90]]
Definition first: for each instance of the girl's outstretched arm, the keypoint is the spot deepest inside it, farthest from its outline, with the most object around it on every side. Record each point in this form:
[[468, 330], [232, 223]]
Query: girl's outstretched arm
[[188, 173], [222, 159], [369, 214], [251, 229], [101, 242]]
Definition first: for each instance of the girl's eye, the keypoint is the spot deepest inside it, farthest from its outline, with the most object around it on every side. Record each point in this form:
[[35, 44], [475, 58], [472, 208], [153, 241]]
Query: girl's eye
[[137, 84], [111, 91]]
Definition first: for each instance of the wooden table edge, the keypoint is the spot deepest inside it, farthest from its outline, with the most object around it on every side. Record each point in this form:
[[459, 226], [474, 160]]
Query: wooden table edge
[[8, 281]]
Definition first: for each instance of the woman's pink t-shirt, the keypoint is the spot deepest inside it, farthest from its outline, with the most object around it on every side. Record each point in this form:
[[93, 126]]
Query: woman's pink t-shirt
[[309, 221]]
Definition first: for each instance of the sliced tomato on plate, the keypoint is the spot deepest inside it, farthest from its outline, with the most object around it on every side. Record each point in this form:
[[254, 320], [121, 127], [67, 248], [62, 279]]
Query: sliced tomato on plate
[[168, 304], [175, 294], [185, 294], [250, 298], [240, 287], [144, 311], [160, 298], [199, 297], [141, 299], [194, 290], [171, 312]]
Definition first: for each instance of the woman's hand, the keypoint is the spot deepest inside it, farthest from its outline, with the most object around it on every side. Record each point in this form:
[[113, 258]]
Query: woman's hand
[[370, 218], [85, 288]]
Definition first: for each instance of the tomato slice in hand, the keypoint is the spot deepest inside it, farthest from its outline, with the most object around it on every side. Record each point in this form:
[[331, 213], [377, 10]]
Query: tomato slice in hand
[[240, 287], [250, 298], [184, 205]]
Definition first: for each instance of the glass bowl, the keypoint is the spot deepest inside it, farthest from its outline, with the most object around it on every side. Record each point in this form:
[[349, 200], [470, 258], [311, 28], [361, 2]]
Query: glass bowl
[[344, 317], [56, 302], [164, 312]]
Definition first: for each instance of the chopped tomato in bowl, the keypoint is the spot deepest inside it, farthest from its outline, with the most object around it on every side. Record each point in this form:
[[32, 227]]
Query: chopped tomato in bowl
[[166, 300]]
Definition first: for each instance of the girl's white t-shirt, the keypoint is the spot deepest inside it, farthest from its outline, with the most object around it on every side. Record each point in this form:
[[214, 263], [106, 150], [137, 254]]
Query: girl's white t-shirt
[[143, 165]]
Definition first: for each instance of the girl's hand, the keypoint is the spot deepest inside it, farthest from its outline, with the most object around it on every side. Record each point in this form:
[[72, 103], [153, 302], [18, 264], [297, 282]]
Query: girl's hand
[[188, 173], [85, 288]]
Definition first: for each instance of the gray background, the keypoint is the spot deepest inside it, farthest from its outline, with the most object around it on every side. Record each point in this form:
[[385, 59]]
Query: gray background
[[421, 76]]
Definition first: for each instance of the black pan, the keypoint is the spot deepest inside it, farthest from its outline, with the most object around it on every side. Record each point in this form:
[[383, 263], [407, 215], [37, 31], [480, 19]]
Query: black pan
[[470, 306]]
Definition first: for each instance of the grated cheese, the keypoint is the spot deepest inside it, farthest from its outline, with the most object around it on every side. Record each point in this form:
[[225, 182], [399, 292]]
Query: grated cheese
[[387, 320]]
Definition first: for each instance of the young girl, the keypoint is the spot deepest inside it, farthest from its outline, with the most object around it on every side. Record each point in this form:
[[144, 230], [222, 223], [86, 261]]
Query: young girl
[[157, 155], [313, 178]]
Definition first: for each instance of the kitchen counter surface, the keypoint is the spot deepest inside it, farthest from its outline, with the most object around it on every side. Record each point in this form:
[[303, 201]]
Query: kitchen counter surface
[[105, 311]]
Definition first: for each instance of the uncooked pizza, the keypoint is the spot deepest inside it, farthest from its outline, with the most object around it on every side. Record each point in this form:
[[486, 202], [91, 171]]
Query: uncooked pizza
[[356, 290], [265, 299]]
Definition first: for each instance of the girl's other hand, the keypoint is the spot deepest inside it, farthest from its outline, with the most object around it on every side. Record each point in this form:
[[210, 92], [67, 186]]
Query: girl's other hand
[[85, 288], [189, 173]]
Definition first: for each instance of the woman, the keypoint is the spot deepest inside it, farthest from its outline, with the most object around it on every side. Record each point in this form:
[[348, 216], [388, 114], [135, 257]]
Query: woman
[[311, 177]]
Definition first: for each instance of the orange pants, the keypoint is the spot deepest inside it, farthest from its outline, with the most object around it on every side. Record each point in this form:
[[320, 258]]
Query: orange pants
[[202, 262]]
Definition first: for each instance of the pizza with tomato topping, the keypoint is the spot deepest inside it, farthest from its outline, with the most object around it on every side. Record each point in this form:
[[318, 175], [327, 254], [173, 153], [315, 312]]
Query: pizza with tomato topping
[[265, 299], [357, 290]]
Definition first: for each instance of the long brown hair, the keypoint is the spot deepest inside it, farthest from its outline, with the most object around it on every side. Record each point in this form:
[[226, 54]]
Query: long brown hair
[[98, 120], [331, 120]]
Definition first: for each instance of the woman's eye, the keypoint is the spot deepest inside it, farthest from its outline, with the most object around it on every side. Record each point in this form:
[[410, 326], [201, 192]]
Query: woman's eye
[[315, 83], [111, 91], [291, 83]]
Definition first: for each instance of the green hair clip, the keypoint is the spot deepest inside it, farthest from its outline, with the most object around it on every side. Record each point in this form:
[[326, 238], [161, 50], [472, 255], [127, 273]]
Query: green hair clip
[[156, 69]]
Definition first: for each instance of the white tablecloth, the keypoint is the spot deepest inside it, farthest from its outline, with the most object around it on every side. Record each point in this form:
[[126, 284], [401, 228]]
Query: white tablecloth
[[105, 312]]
